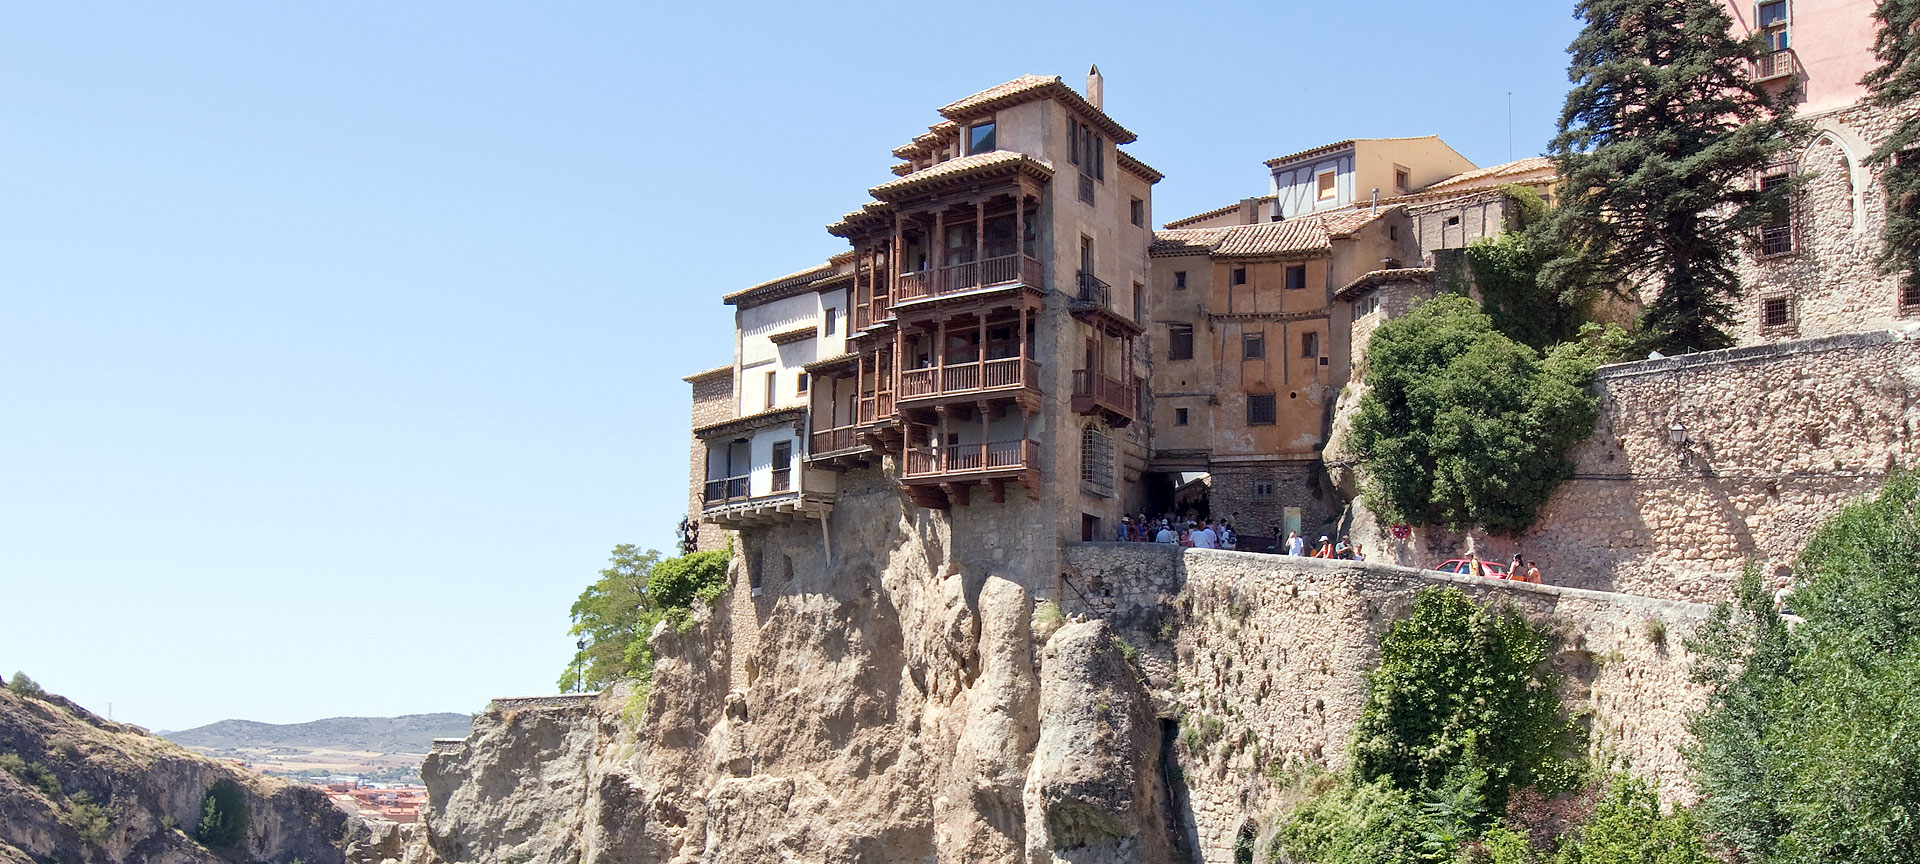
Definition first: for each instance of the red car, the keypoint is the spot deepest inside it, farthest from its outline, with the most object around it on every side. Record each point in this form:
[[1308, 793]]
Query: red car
[[1462, 566]]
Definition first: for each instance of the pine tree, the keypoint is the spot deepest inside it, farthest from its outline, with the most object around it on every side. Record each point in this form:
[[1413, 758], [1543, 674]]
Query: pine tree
[[1660, 138], [1895, 82]]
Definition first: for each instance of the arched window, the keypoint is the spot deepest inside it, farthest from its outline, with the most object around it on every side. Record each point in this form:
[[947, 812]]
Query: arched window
[[1096, 460]]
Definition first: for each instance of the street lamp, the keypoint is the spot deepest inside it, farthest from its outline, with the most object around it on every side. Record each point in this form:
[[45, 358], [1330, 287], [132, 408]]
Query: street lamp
[[1677, 434]]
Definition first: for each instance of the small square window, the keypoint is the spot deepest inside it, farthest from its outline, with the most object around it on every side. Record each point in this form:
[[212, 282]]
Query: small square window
[[1138, 212], [1179, 416], [1453, 220], [980, 138], [1179, 280], [1179, 341], [1260, 409], [1776, 312], [1402, 181], [1327, 188], [1310, 344], [831, 322], [1253, 346], [800, 384], [1296, 276], [1239, 275], [1263, 488]]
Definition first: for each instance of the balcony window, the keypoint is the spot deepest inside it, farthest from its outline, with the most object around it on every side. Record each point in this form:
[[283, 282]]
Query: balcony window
[[1179, 341], [773, 380], [1310, 344], [1909, 297], [782, 466], [800, 385], [1179, 416], [1260, 409], [980, 138], [1773, 13], [1253, 346], [1296, 277]]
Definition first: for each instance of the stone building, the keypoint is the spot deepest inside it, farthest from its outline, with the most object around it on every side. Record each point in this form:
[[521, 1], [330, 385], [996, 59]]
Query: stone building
[[1811, 271], [1250, 351]]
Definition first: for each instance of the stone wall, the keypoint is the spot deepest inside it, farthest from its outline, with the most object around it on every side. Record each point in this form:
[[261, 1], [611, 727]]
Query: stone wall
[[712, 403], [1271, 653]]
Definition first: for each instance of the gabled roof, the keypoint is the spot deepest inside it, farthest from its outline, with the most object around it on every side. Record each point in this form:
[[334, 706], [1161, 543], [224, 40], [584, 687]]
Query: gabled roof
[[1298, 236], [774, 289], [1382, 277], [1530, 168], [1029, 88], [1340, 145], [979, 165], [1217, 211]]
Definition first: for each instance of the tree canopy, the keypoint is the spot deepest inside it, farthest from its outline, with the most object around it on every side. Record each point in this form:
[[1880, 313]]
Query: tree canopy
[[615, 615], [1895, 82], [1463, 425], [1659, 141]]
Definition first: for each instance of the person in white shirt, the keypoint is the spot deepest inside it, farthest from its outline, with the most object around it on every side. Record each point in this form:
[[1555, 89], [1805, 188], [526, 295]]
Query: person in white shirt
[[1204, 538], [1165, 535], [1295, 545]]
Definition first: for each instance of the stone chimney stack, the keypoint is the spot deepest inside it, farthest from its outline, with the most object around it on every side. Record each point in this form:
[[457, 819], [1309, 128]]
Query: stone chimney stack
[[1094, 87]]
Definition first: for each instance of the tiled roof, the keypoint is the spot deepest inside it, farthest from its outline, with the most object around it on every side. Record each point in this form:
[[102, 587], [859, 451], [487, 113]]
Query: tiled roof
[[871, 212], [773, 289], [925, 141], [1217, 211], [761, 420], [1140, 169], [1379, 277], [794, 335], [1303, 234], [1337, 145], [1493, 176], [1028, 88], [998, 161], [710, 373], [826, 363]]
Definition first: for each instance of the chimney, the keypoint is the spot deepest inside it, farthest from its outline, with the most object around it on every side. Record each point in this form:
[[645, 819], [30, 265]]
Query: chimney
[[1093, 87]]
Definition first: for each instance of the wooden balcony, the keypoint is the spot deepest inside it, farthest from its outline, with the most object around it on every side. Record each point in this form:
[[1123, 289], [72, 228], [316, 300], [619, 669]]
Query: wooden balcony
[[726, 490], [842, 447], [940, 477], [867, 316], [1116, 399], [966, 379], [1776, 64], [968, 276]]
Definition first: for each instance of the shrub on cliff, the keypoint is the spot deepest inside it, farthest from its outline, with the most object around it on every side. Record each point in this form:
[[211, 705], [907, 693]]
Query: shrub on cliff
[[21, 685], [614, 616], [223, 816], [1627, 827], [1807, 750], [1462, 425]]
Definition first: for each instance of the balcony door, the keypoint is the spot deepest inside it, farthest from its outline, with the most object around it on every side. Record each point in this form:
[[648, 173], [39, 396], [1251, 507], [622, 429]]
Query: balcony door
[[960, 244]]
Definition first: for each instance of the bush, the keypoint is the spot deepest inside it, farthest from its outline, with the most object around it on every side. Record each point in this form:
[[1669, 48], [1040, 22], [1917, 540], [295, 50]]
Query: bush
[[31, 773], [1806, 751], [615, 615], [1461, 700], [1368, 823], [23, 686], [223, 816], [1462, 425], [1628, 828], [90, 820]]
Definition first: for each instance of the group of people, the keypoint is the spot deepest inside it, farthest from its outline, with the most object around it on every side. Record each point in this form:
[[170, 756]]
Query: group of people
[[1344, 550], [1169, 529]]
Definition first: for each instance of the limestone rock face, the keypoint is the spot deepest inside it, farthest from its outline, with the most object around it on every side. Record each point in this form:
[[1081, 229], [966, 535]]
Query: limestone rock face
[[1093, 792], [152, 790]]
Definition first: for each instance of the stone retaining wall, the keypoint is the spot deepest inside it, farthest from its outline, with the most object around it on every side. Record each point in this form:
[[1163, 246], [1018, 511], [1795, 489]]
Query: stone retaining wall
[[1265, 660]]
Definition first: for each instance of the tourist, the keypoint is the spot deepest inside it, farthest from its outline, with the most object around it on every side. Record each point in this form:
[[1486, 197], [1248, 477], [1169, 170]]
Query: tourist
[[1325, 549], [1123, 531], [1295, 546], [1516, 568], [1228, 539], [1533, 573], [1205, 538], [1344, 551], [1165, 534], [1358, 555]]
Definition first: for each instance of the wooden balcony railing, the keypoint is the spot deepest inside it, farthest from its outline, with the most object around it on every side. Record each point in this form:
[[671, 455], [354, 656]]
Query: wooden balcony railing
[[1775, 64], [876, 408], [1105, 391], [1004, 374], [867, 315], [968, 275], [957, 459], [725, 489], [833, 440]]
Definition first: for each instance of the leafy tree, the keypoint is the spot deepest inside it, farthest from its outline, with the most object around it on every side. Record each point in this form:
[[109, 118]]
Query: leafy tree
[[1895, 82], [223, 816], [1506, 272], [21, 685], [1462, 710], [1806, 752], [1463, 425], [1660, 135], [614, 616]]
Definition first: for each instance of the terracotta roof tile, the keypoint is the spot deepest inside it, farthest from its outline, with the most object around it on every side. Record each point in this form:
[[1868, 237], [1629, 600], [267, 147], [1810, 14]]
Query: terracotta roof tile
[[998, 160], [1337, 145], [710, 373], [1303, 234], [1140, 169], [1217, 211], [773, 289], [1378, 277], [1185, 241], [1027, 88], [826, 363], [1494, 175]]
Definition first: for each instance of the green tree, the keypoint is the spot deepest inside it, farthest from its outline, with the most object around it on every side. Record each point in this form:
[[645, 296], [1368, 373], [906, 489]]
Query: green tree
[[1506, 272], [615, 615], [1806, 752], [1462, 708], [1662, 130], [1895, 82], [21, 685], [223, 816], [1463, 425]]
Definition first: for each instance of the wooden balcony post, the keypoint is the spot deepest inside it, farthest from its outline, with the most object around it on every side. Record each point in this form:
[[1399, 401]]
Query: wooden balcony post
[[979, 240], [937, 261], [899, 242]]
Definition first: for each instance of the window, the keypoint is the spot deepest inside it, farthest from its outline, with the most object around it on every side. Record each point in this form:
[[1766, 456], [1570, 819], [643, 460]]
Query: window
[[1137, 211], [801, 386], [1263, 488], [1402, 180], [1393, 232], [1327, 190], [832, 322], [1909, 296], [1179, 341], [1453, 220], [1087, 151], [1086, 188], [1367, 305], [1773, 13], [782, 466], [1239, 275], [1776, 236], [1179, 416], [1296, 276], [773, 380], [1179, 280], [1096, 460], [1253, 346], [980, 138], [1260, 409], [1776, 313], [1310, 344]]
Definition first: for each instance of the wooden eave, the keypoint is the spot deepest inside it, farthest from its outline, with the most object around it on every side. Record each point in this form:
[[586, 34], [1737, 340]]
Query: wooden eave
[[1138, 168], [797, 334], [796, 417], [950, 175], [710, 374]]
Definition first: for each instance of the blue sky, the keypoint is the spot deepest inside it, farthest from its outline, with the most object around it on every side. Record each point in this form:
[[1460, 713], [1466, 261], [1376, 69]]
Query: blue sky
[[340, 342]]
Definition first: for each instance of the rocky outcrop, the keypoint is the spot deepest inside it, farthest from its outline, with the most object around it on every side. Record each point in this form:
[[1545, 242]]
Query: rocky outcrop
[[150, 790]]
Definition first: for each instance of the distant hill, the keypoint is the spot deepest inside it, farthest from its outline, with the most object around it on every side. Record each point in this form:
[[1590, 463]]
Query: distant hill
[[412, 733]]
